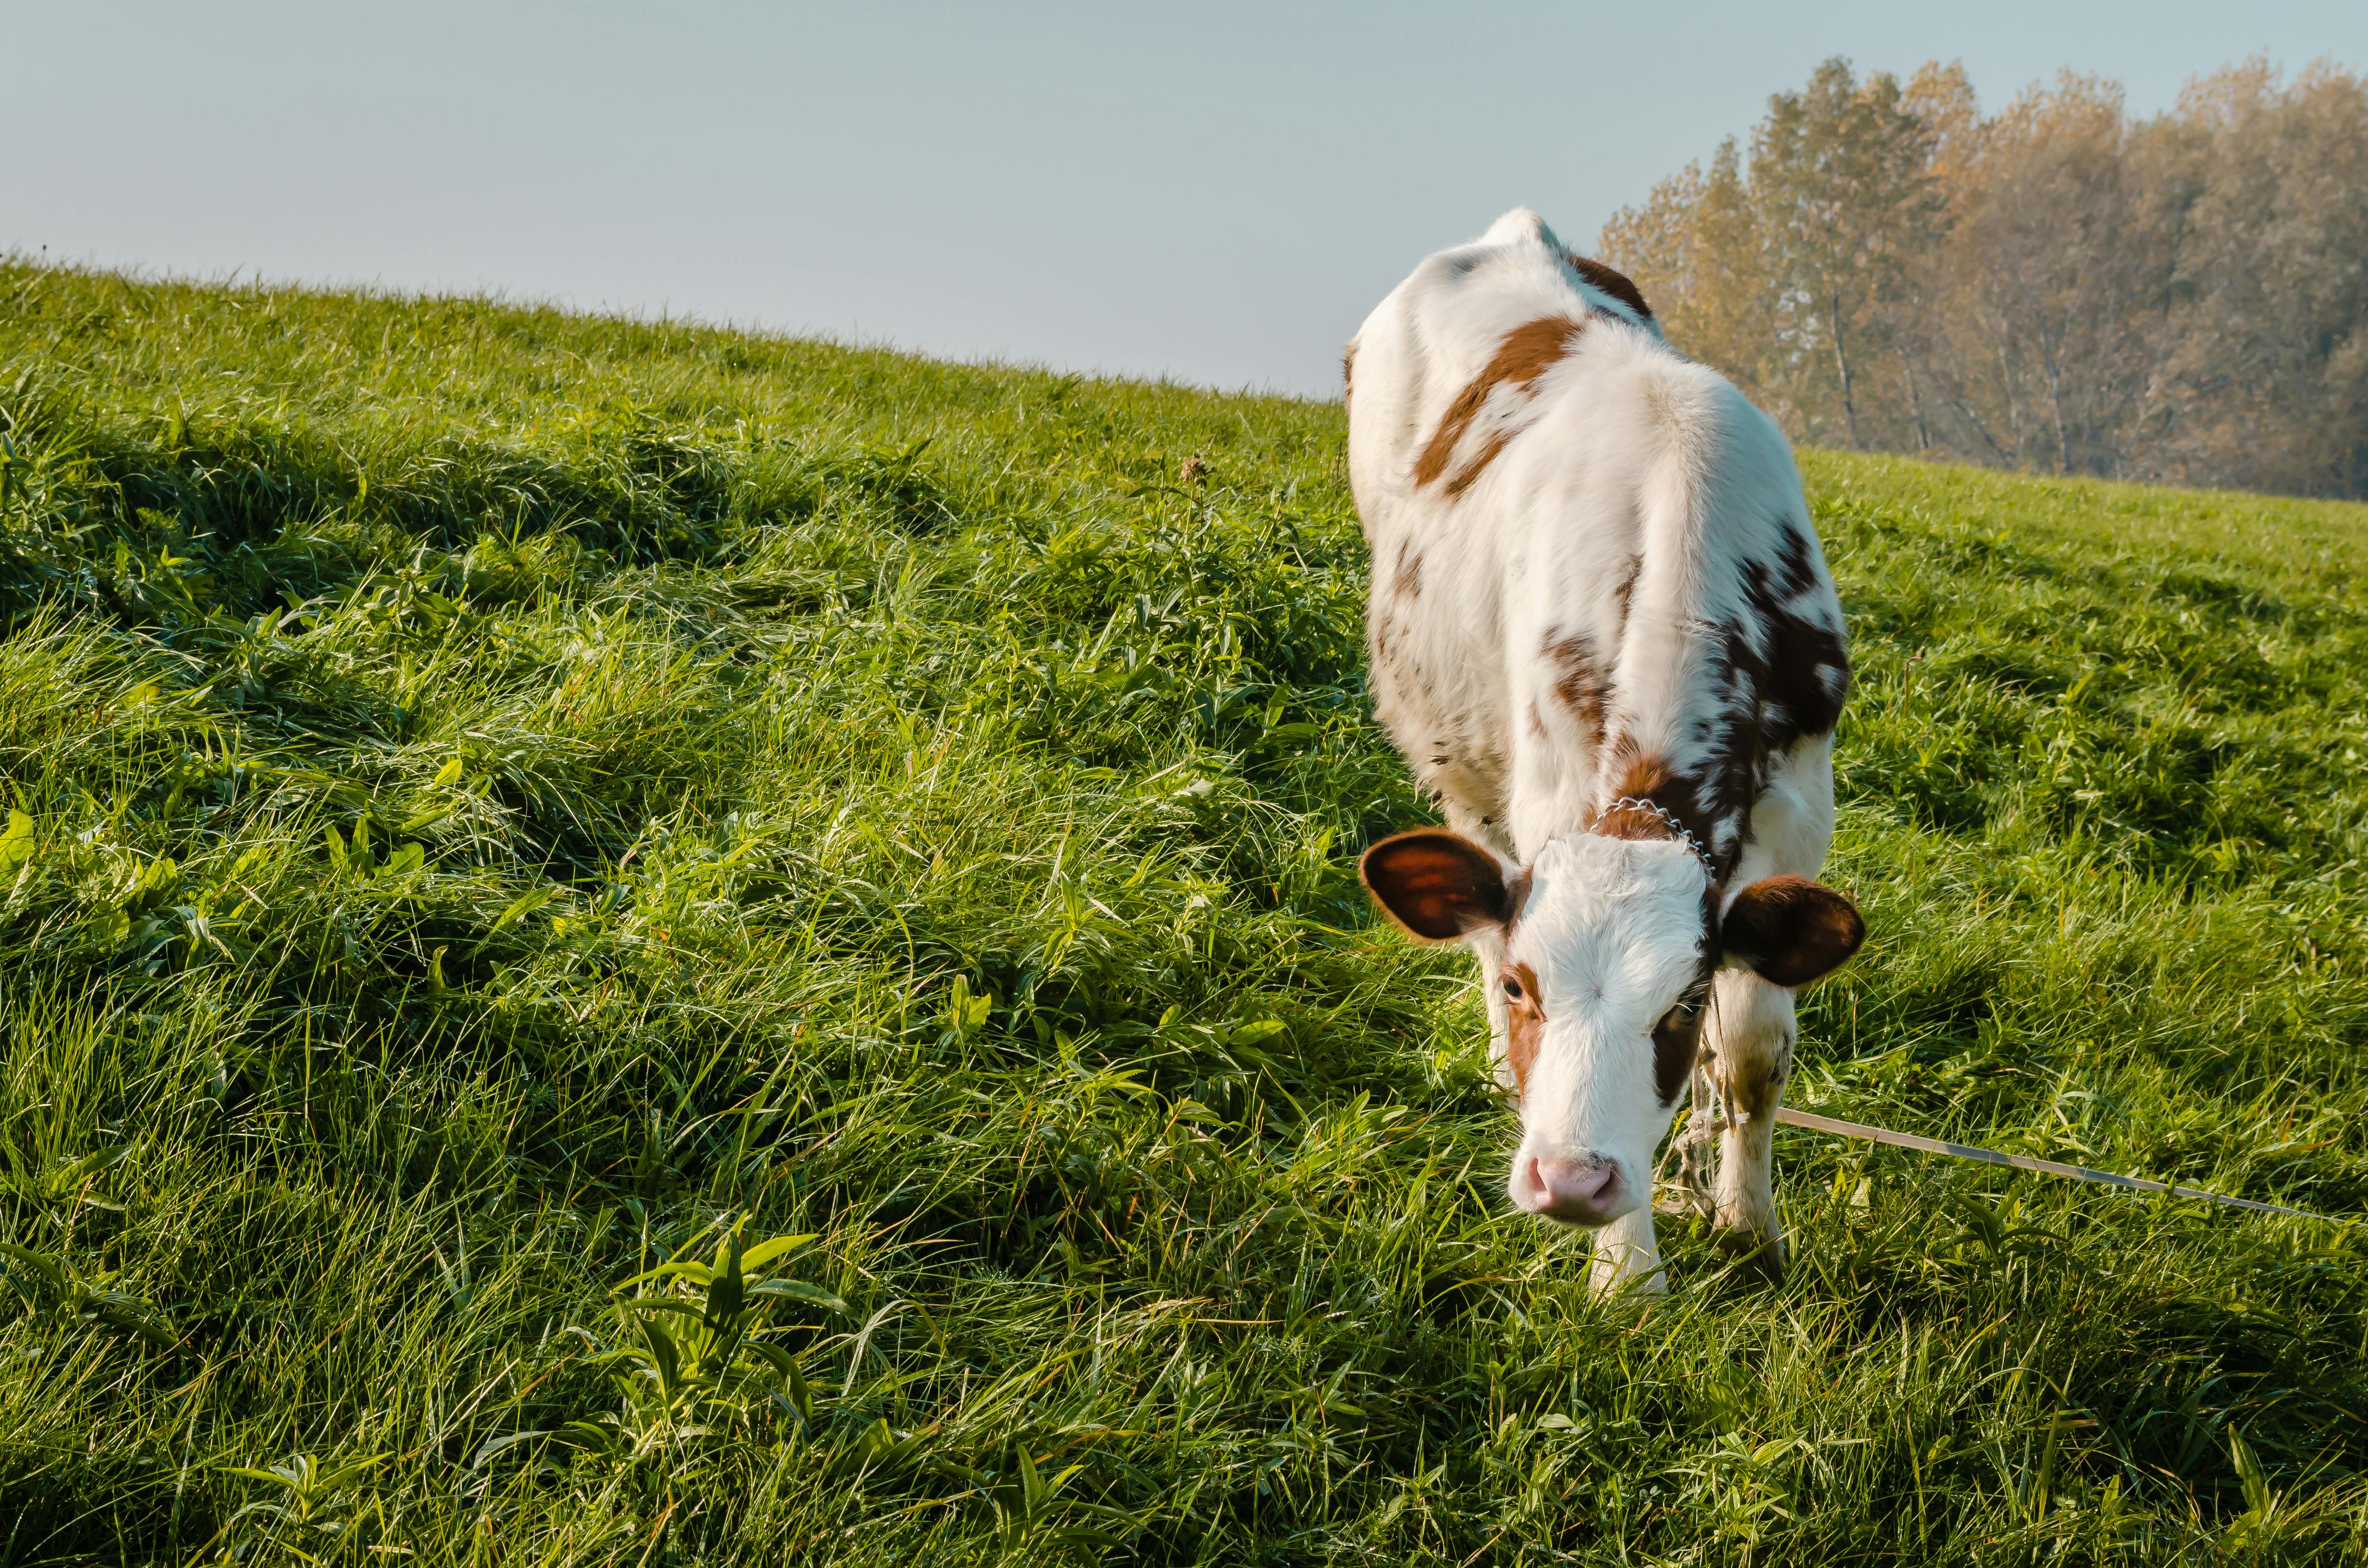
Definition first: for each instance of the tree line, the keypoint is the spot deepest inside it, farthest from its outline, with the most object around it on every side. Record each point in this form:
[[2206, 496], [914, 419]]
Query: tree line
[[2057, 287]]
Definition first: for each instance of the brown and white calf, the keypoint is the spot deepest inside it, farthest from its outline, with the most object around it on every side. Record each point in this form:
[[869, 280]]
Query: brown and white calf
[[1603, 635]]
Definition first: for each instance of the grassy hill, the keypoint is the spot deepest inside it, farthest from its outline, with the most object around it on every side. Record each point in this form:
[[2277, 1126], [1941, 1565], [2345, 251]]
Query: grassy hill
[[498, 802]]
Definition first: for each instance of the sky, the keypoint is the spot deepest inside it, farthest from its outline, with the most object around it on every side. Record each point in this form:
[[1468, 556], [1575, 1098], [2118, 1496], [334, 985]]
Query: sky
[[1214, 193]]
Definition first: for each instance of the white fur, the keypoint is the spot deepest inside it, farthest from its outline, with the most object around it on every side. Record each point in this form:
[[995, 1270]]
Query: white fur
[[1611, 930]]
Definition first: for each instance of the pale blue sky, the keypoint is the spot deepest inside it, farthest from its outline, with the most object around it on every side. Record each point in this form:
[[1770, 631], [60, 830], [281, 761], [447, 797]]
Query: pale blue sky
[[1218, 193]]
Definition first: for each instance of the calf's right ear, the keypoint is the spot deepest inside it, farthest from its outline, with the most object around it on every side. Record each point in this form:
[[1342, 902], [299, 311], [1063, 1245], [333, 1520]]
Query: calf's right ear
[[1439, 885]]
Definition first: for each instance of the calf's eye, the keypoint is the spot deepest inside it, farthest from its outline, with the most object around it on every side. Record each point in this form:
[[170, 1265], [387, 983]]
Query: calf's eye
[[1513, 989]]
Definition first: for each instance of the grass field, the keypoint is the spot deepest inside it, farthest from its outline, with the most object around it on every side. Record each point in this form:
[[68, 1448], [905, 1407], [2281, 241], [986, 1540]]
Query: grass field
[[499, 802]]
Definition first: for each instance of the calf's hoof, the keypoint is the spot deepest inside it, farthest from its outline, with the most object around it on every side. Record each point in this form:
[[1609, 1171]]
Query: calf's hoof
[[1632, 1293], [1754, 1255]]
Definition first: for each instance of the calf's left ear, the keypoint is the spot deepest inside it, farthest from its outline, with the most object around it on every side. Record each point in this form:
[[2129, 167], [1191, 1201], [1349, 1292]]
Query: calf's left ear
[[1791, 929]]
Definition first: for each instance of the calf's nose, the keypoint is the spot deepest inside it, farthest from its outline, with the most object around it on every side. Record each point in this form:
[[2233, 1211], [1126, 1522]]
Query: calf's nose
[[1574, 1191]]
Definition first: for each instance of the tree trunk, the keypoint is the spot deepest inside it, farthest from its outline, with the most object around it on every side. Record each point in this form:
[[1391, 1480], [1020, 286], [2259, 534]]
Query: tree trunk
[[1915, 402], [1841, 363], [2052, 372]]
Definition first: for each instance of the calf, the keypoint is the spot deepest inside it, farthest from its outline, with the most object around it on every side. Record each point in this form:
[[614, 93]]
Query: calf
[[1603, 635]]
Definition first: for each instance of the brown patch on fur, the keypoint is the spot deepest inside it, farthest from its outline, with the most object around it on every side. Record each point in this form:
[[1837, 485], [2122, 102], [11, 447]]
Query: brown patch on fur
[[1463, 478], [1526, 353], [1611, 282], [1625, 589], [1738, 749], [1630, 822], [1537, 722], [1779, 676], [1525, 1022], [1583, 684], [1774, 675], [1650, 778], [1406, 581], [1676, 1037], [1792, 930], [1676, 1042], [1805, 675], [1806, 679]]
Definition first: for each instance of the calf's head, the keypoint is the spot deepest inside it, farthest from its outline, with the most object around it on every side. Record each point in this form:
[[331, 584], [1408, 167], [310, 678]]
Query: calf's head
[[1601, 953]]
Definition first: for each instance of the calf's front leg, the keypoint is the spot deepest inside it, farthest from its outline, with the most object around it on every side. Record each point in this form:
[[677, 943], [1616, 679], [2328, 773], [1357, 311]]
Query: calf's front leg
[[1487, 944], [1747, 1041], [1627, 1257], [1488, 948]]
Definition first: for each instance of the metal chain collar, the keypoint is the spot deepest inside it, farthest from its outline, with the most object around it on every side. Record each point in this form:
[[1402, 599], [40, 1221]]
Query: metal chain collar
[[1661, 813]]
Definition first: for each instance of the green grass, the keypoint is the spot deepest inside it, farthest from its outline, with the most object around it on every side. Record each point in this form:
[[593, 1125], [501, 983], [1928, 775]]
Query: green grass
[[499, 801]]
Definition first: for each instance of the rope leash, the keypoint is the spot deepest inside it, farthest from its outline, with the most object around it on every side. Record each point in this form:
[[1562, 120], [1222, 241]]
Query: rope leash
[[1703, 1126], [1841, 1129], [1700, 1127]]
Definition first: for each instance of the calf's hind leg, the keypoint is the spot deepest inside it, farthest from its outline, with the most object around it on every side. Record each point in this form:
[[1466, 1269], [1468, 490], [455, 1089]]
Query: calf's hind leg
[[1695, 1140]]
